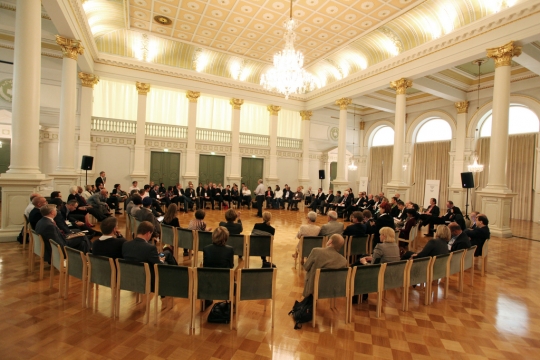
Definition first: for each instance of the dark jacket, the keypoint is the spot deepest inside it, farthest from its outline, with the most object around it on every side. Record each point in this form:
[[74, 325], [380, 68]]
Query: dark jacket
[[34, 217], [215, 256], [234, 228], [478, 237], [139, 250], [461, 242], [435, 211], [384, 220], [357, 229], [264, 227], [111, 247], [434, 247]]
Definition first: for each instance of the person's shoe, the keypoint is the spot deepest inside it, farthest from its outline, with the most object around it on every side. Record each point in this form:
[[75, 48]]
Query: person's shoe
[[267, 264]]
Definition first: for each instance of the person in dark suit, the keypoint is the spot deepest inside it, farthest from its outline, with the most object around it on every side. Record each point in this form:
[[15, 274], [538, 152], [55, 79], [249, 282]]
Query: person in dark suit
[[269, 196], [480, 234], [67, 222], [394, 212], [101, 180], [317, 200], [384, 220], [234, 228], [325, 204], [110, 244], [298, 196], [356, 204], [459, 239], [409, 224], [217, 196], [145, 214], [345, 203], [432, 210], [357, 228], [287, 197], [35, 214], [227, 195], [264, 229], [436, 246], [440, 220], [219, 254]]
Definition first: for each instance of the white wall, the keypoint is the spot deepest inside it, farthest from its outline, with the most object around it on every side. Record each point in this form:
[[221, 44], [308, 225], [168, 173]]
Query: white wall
[[114, 160], [287, 171]]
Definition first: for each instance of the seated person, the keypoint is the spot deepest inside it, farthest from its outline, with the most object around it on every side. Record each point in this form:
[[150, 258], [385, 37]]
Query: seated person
[[355, 205], [218, 254], [111, 242], [409, 224], [216, 196], [170, 217], [385, 251], [246, 197], [278, 198], [119, 195], [227, 195], [297, 197], [330, 202], [459, 239], [309, 229], [264, 229], [35, 214], [99, 203], [317, 200], [357, 228], [287, 197], [136, 204], [235, 194], [369, 222], [68, 217], [128, 205], [145, 214], [269, 197], [436, 246], [332, 226], [233, 228], [480, 234], [198, 223]]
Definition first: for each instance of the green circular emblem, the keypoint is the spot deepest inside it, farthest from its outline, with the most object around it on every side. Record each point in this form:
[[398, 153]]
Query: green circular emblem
[[6, 89], [334, 133]]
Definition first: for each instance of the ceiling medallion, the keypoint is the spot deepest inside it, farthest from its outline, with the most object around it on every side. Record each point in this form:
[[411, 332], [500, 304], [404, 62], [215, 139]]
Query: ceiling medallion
[[163, 20]]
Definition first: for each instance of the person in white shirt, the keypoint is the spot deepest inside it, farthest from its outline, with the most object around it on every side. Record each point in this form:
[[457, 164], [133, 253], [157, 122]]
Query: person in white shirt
[[246, 196], [134, 186], [278, 195], [259, 193]]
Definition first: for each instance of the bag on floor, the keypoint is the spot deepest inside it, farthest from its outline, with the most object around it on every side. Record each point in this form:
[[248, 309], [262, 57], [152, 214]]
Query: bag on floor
[[220, 313], [302, 311]]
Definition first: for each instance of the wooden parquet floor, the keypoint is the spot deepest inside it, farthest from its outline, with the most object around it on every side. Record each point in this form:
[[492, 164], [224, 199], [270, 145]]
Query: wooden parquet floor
[[497, 318]]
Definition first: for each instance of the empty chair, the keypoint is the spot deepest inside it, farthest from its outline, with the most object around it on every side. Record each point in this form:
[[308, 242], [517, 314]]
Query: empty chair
[[135, 277], [396, 276], [57, 262], [173, 281], [357, 245], [468, 263], [238, 243], [257, 245], [306, 244], [38, 248], [454, 267], [76, 266], [364, 280], [101, 271], [168, 237], [213, 284], [256, 284], [418, 273], [483, 258], [186, 239], [331, 284], [439, 267]]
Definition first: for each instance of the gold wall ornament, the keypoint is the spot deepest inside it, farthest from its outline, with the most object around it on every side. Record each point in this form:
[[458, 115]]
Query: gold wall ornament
[[503, 55], [462, 107], [273, 109], [306, 115], [71, 48], [193, 96], [401, 86], [362, 125], [343, 103], [236, 103], [142, 88], [88, 80]]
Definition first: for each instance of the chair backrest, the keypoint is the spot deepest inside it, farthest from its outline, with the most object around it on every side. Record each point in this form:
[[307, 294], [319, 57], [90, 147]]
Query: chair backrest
[[394, 275], [129, 232], [175, 281], [468, 260], [38, 246], [419, 270], [214, 284], [413, 233], [185, 238], [167, 235], [256, 284], [57, 255], [439, 266], [101, 270], [133, 276], [485, 248], [367, 279], [238, 243], [134, 225], [259, 245], [358, 245], [204, 238], [455, 261], [332, 283], [76, 262], [309, 243]]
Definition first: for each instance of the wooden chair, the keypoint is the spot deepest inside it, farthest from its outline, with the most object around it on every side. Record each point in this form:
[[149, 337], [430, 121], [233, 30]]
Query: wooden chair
[[173, 281], [187, 239], [331, 284], [439, 270], [101, 271], [168, 237], [468, 263], [204, 238], [57, 262], [256, 284], [370, 244], [412, 237], [257, 245], [308, 243], [454, 267], [134, 226], [396, 276], [419, 272], [238, 243], [483, 258], [364, 280], [76, 266], [213, 284], [133, 277], [26, 231], [129, 231], [357, 245], [38, 248]]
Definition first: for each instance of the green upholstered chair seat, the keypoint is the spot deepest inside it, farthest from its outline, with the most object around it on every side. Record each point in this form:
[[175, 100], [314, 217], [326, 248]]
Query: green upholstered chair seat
[[419, 270], [393, 276], [75, 263], [469, 258], [55, 255], [101, 270], [256, 284], [173, 281], [333, 283], [132, 276], [366, 279], [37, 243]]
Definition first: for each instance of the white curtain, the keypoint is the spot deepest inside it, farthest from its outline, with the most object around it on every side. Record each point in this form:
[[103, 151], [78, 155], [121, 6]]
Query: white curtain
[[214, 113], [254, 119], [167, 107], [115, 99], [380, 167], [289, 124]]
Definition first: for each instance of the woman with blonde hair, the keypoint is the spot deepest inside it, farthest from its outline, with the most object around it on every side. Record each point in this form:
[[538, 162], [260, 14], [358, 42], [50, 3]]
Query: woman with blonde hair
[[438, 245], [385, 251]]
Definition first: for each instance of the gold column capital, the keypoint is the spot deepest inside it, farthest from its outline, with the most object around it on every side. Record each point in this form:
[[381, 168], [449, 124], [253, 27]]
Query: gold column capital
[[71, 48], [462, 107], [343, 103], [273, 109], [401, 86], [362, 125], [306, 115], [236, 103], [503, 55], [88, 80], [142, 88], [193, 96]]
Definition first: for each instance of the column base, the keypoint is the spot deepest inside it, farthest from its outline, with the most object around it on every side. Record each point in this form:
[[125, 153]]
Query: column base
[[391, 189], [340, 185], [141, 178], [233, 178], [497, 207], [62, 182]]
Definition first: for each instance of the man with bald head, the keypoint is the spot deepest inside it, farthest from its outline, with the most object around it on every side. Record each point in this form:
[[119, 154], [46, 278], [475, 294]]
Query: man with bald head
[[35, 215], [324, 258]]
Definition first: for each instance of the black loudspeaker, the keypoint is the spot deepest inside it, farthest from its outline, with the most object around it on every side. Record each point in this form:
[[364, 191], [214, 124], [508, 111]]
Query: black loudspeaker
[[87, 162], [467, 180], [321, 174]]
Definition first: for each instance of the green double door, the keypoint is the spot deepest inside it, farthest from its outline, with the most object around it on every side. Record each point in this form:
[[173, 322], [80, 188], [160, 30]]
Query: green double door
[[212, 169], [252, 171], [165, 168], [5, 157], [333, 174]]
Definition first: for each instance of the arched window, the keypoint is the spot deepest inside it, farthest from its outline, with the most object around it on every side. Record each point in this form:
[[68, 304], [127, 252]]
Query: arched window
[[434, 130], [384, 136], [521, 120]]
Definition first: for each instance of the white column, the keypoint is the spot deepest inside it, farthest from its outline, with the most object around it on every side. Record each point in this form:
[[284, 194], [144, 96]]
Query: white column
[[139, 168], [304, 169], [400, 86], [272, 178], [362, 162], [85, 121], [236, 160], [191, 152], [341, 176], [456, 193]]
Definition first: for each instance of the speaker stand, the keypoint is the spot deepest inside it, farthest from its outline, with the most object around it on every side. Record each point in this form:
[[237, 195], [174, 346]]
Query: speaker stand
[[86, 183], [321, 184], [467, 205]]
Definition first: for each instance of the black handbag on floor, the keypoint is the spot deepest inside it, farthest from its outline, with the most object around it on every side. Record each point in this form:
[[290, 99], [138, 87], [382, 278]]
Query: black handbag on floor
[[220, 313], [302, 311]]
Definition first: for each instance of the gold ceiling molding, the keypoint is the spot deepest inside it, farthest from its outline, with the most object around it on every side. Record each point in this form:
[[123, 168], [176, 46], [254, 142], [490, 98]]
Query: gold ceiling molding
[[193, 96], [273, 109], [462, 107], [343, 103], [236, 103], [142, 88], [401, 86], [71, 48], [306, 115], [88, 80], [503, 55]]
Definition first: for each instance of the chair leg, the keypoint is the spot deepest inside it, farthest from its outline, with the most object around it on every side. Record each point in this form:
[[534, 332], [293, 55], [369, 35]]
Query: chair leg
[[314, 311], [155, 309], [113, 304], [61, 289], [66, 287], [89, 286], [147, 314], [273, 311], [379, 304], [446, 285], [41, 268], [117, 301], [483, 264], [84, 289], [51, 276]]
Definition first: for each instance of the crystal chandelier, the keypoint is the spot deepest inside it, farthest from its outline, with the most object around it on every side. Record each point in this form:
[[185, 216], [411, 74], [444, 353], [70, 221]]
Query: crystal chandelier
[[475, 166], [288, 76]]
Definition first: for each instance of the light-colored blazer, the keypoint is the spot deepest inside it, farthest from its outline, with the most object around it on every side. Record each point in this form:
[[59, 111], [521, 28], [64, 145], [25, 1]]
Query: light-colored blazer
[[387, 252], [331, 228], [321, 258]]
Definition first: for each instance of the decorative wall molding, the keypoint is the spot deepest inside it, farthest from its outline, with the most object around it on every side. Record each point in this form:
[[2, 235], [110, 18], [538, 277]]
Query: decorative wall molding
[[289, 154], [256, 152], [165, 144], [216, 148], [111, 140]]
